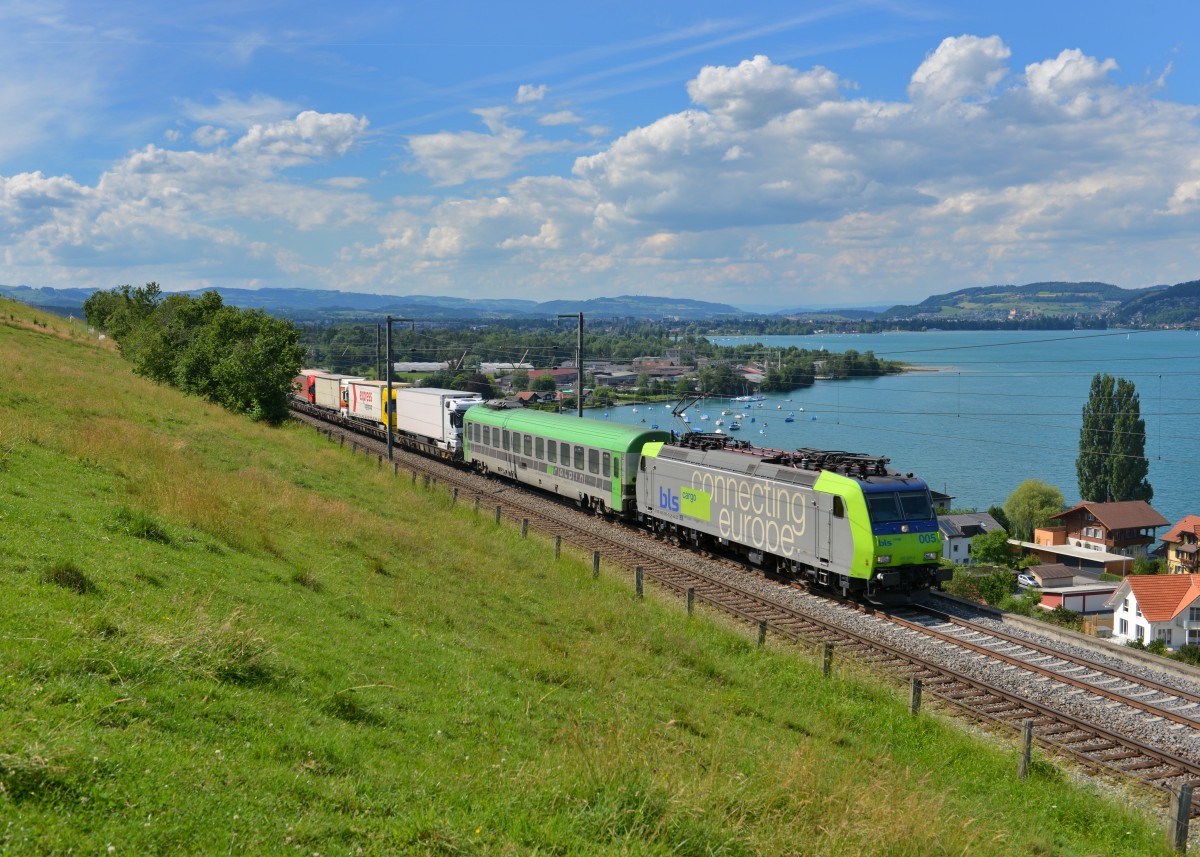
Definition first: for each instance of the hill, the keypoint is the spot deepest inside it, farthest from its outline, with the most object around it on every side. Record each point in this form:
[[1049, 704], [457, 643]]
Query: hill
[[1001, 302], [1165, 306], [225, 637]]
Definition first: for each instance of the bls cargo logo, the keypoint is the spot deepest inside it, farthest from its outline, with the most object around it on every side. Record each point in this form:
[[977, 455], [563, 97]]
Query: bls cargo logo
[[689, 501]]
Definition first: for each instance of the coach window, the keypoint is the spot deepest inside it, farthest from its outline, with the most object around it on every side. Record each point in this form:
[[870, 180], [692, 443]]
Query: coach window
[[539, 448], [616, 467], [593, 461], [528, 446], [506, 438], [487, 435], [579, 458], [606, 465], [564, 454], [552, 452]]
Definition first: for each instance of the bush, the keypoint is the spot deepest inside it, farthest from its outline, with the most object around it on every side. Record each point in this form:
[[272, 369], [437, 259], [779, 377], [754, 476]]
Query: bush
[[1063, 617], [995, 586], [962, 585]]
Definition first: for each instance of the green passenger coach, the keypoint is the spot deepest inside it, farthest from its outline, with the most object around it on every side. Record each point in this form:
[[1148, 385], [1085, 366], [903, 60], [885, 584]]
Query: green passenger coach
[[591, 462]]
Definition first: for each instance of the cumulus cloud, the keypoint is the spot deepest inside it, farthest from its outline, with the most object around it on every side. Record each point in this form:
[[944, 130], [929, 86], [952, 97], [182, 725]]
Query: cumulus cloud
[[961, 67], [455, 157], [562, 117], [756, 90]]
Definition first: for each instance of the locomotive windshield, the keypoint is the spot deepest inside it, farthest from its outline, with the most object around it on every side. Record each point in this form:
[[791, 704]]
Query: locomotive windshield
[[902, 506]]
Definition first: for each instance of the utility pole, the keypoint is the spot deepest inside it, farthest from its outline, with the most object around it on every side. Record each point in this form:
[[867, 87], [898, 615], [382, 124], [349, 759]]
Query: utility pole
[[390, 406], [378, 355], [578, 363]]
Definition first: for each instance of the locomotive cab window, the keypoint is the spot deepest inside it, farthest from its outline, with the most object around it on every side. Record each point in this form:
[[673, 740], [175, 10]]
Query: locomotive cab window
[[593, 461], [883, 508], [916, 505], [839, 507]]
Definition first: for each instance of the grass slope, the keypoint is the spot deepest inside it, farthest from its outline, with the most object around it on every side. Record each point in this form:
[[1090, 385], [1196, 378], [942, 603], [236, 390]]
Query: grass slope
[[218, 637]]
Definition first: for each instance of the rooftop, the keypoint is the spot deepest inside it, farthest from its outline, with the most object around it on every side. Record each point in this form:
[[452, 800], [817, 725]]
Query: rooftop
[[1124, 515]]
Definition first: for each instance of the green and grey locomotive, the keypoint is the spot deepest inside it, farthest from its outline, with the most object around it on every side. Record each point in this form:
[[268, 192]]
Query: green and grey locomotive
[[841, 520]]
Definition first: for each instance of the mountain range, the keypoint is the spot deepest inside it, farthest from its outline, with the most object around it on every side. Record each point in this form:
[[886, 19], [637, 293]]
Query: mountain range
[[1156, 305]]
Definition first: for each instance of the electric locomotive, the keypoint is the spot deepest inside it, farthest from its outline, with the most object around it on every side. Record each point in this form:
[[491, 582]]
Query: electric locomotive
[[841, 520]]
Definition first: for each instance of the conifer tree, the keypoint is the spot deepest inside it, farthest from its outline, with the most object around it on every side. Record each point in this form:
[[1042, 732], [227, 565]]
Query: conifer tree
[[1112, 465]]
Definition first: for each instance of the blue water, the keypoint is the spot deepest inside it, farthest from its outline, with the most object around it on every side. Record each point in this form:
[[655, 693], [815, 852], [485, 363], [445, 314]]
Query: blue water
[[989, 409]]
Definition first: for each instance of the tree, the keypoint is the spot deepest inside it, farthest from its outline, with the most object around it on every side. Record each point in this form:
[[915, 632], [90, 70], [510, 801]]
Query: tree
[[999, 517], [1112, 463], [544, 383], [997, 586], [992, 548], [520, 381], [1030, 506]]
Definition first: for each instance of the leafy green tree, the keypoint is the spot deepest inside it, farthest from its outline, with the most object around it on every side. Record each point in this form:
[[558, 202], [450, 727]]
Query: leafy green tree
[[544, 384], [1145, 565], [1030, 506], [520, 381], [1112, 463], [997, 586], [992, 548], [998, 515]]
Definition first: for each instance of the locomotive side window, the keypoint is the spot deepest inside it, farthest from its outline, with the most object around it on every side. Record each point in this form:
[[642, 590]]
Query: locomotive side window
[[593, 461], [528, 445], [579, 458], [539, 448], [606, 465], [839, 507], [916, 505]]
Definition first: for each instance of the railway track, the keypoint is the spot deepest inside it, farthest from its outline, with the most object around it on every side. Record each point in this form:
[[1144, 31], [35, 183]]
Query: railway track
[[1067, 735]]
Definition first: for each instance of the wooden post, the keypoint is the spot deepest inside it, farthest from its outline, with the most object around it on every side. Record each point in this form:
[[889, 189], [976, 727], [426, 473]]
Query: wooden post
[[476, 505], [637, 580], [395, 468], [379, 463], [354, 447], [1026, 749], [497, 514], [524, 527], [595, 564], [414, 477], [762, 632], [342, 441], [425, 480], [1181, 806], [827, 659], [557, 546], [914, 697], [691, 598], [454, 498]]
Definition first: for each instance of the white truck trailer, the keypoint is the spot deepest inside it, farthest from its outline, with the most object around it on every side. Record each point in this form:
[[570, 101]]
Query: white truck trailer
[[431, 418]]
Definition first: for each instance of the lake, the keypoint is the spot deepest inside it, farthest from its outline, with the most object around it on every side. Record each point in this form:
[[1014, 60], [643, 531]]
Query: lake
[[986, 411]]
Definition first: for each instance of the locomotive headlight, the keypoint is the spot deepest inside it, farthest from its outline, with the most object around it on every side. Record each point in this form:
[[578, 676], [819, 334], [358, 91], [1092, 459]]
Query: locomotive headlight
[[883, 558], [931, 555], [904, 528]]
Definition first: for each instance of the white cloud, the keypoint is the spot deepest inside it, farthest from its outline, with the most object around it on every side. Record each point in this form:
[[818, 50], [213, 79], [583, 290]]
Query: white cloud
[[455, 157], [230, 111], [527, 93], [562, 117], [757, 90], [961, 67], [208, 136]]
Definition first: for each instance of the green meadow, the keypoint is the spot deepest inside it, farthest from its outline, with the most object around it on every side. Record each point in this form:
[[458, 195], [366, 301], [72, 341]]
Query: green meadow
[[222, 638]]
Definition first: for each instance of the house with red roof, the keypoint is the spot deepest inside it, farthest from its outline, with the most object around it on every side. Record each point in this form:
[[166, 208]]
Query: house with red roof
[[1182, 544], [1157, 607]]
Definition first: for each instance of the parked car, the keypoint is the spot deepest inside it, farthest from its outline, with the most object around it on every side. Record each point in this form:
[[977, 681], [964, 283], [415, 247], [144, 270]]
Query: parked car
[[1027, 581]]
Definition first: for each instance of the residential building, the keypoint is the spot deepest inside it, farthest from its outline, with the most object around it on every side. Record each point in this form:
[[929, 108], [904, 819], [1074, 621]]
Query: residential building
[[1064, 587], [958, 530], [1182, 543], [1126, 528], [1157, 607]]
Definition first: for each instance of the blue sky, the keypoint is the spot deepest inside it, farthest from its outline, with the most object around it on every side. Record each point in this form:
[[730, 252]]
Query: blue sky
[[777, 154]]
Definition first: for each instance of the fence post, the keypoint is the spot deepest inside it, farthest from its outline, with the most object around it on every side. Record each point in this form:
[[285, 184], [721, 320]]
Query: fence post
[[595, 564], [691, 597], [827, 659], [524, 527], [414, 477], [354, 447], [497, 514], [342, 441], [637, 580], [762, 632], [1181, 806], [557, 546], [379, 463], [476, 505], [914, 697], [454, 498], [1026, 749], [395, 468]]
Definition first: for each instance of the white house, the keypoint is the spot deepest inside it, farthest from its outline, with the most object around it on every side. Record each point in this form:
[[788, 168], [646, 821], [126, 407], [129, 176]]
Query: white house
[[1157, 607], [958, 530]]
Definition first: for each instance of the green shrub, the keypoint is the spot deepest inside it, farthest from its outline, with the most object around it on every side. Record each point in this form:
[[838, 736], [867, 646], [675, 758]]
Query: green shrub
[[69, 576]]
